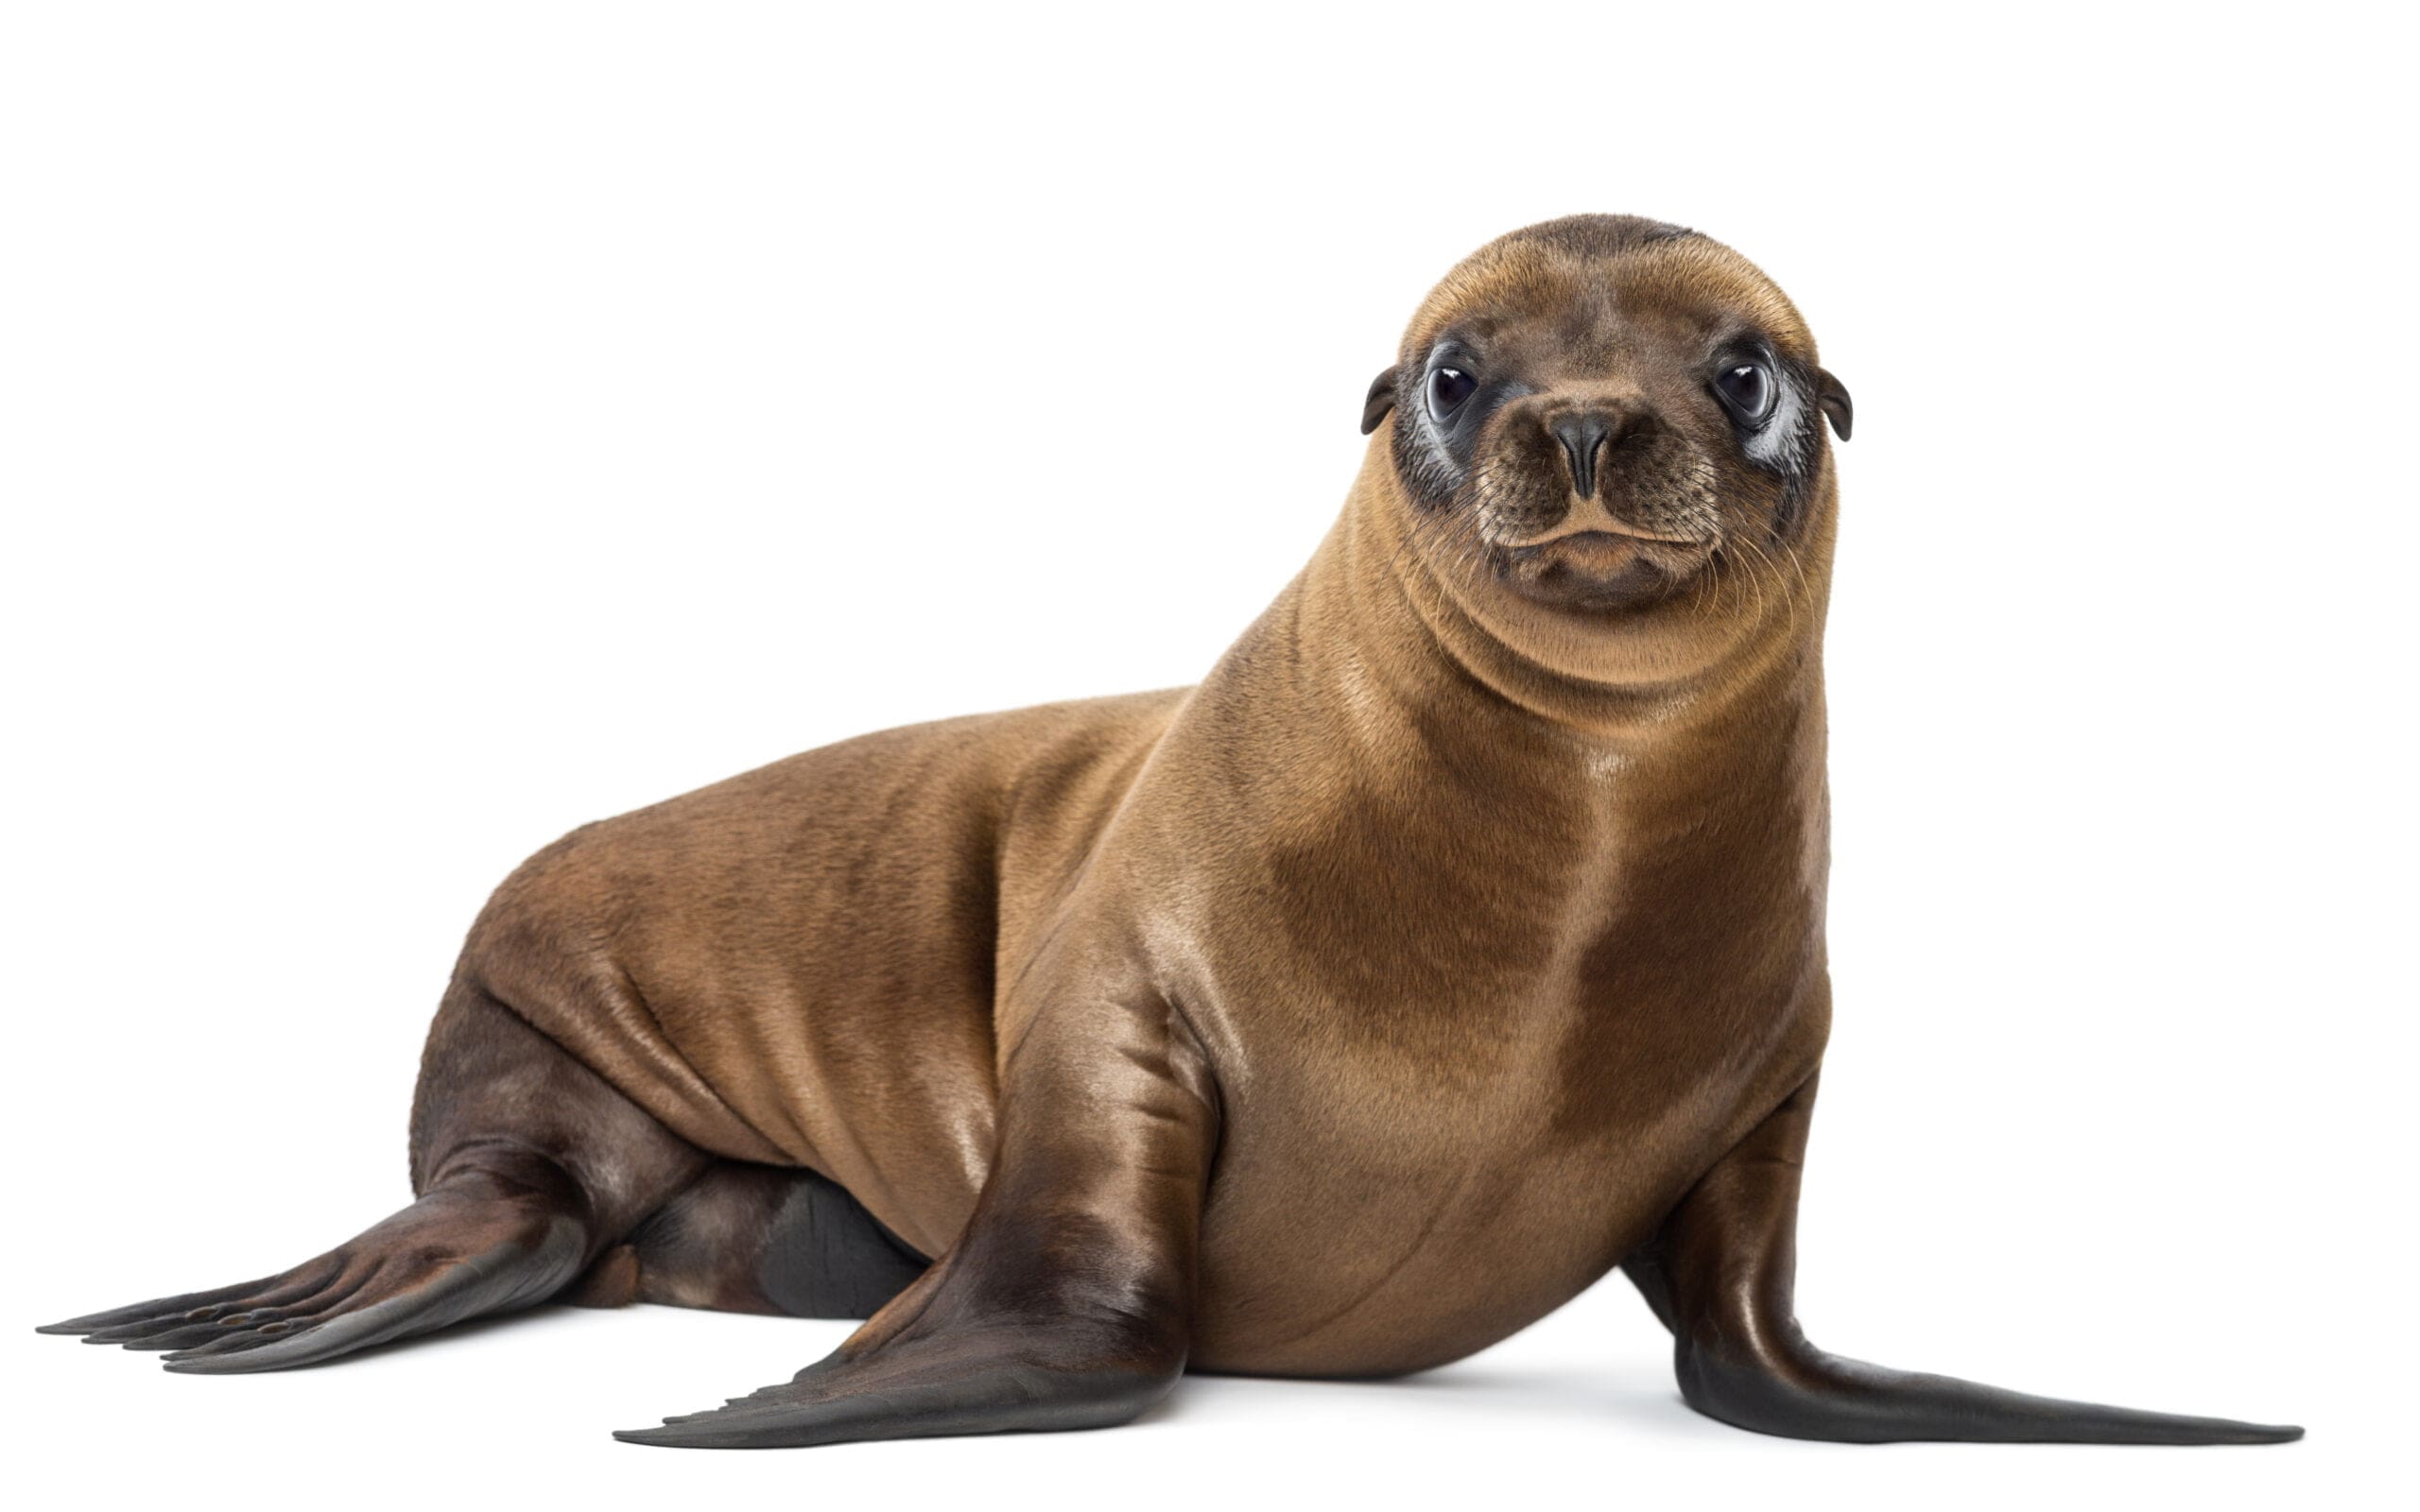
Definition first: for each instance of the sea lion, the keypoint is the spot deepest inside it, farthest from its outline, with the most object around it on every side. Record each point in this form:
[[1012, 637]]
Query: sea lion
[[1458, 939]]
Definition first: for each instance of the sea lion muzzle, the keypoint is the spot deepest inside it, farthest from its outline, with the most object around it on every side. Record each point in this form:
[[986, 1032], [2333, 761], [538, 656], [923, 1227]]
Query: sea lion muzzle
[[1591, 501]]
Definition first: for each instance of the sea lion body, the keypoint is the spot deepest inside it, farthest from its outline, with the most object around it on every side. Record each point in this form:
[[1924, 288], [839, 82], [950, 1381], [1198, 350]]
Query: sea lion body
[[1441, 1032], [1458, 939]]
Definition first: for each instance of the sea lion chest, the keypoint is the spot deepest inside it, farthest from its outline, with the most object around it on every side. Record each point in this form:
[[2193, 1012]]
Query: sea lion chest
[[1475, 1037]]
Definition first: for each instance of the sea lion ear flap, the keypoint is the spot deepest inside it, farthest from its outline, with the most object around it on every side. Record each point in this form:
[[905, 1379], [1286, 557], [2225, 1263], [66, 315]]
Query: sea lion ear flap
[[1834, 396], [1382, 399]]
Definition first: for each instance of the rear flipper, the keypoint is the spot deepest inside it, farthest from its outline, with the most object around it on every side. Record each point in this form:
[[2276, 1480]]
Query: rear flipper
[[479, 1245], [749, 1238], [527, 1164], [1719, 1275]]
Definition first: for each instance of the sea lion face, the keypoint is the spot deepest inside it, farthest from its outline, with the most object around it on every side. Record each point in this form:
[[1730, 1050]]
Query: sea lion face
[[1599, 413]]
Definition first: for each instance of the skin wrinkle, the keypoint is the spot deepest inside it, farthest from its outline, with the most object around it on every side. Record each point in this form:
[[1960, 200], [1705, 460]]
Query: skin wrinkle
[[652, 1031], [1377, 1284]]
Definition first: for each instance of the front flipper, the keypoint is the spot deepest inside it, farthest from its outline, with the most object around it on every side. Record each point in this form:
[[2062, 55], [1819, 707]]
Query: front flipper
[[1721, 1275], [1067, 1302], [1026, 1379]]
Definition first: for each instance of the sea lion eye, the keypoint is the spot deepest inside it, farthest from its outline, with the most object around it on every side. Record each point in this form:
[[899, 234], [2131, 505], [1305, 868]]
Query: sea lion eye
[[1447, 388], [1748, 389]]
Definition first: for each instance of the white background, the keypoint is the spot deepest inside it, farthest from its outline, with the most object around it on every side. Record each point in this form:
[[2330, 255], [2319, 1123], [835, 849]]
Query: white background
[[429, 427]]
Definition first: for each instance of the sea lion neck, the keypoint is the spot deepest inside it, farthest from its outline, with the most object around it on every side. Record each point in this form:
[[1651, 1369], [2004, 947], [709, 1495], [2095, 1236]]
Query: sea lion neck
[[1421, 619]]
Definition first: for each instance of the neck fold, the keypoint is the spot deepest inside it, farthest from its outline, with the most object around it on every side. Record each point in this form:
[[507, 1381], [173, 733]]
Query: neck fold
[[1379, 609]]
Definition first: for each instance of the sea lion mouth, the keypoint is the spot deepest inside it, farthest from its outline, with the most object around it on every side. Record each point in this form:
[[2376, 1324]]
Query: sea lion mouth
[[1588, 535], [1601, 568]]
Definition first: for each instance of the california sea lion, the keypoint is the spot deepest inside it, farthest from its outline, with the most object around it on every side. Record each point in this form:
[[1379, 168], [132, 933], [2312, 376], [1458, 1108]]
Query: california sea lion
[[1460, 938]]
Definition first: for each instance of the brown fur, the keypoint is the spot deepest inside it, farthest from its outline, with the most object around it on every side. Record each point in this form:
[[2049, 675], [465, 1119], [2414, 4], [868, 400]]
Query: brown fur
[[1437, 945], [1449, 945]]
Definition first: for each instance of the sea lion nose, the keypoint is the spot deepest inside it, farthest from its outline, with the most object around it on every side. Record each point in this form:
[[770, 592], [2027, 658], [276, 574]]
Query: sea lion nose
[[1583, 436]]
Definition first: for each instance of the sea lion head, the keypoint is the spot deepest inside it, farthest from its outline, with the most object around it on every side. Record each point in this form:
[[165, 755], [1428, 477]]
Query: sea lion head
[[1609, 417]]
